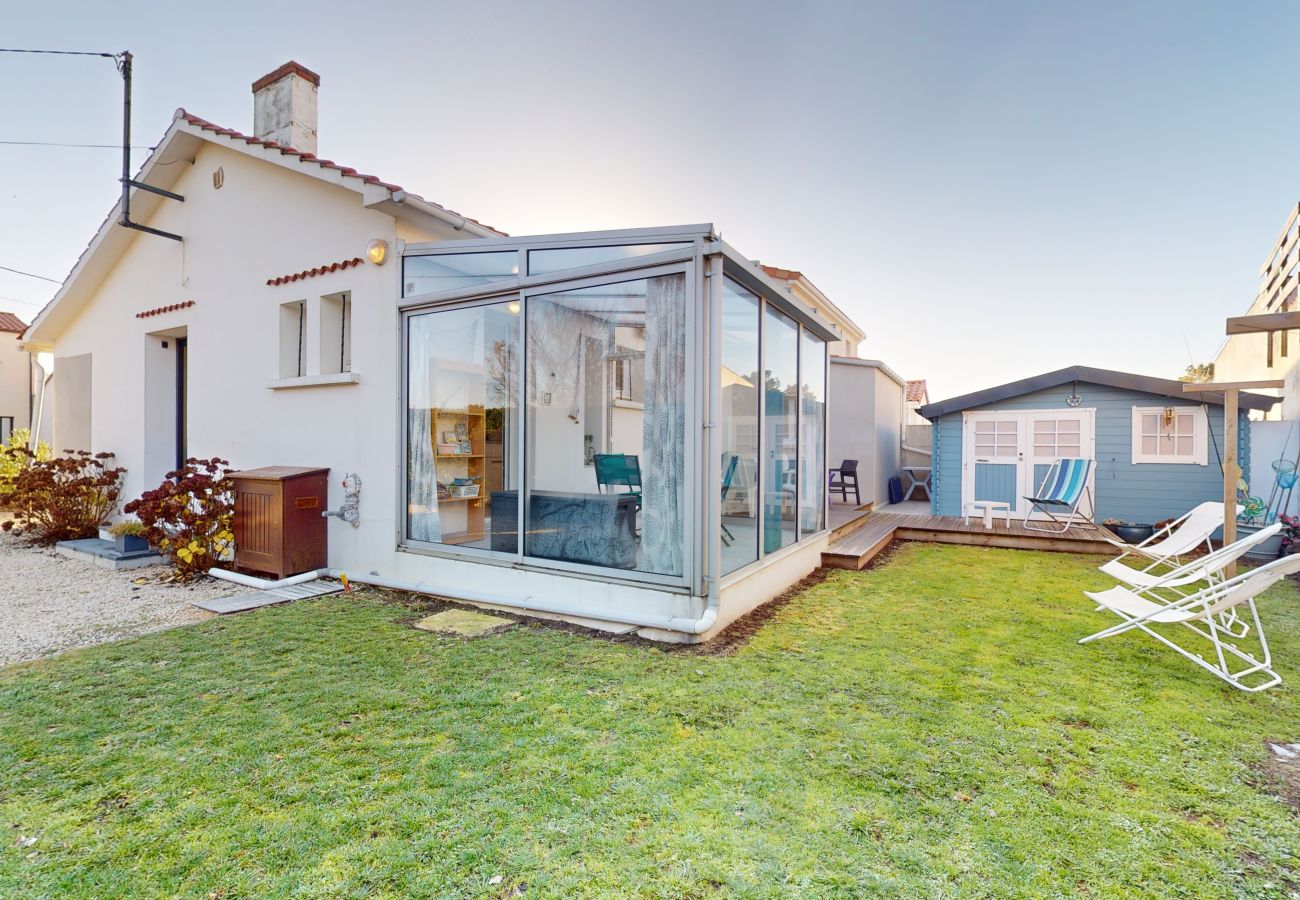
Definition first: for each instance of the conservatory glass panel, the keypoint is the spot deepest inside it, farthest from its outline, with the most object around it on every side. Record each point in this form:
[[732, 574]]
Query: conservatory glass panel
[[462, 421], [780, 438], [738, 424], [606, 412], [812, 435], [448, 271], [543, 261]]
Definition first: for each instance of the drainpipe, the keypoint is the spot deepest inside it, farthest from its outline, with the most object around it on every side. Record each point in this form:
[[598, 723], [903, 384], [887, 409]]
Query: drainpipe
[[263, 584], [34, 438]]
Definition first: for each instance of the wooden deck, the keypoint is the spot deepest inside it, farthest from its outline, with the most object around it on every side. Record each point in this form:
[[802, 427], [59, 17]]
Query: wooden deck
[[855, 548]]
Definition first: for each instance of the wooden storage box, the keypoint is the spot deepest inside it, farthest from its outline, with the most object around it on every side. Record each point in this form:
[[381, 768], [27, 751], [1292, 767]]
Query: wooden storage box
[[279, 528]]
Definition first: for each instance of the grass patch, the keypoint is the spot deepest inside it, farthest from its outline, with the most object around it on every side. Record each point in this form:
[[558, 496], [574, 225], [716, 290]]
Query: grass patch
[[927, 728]]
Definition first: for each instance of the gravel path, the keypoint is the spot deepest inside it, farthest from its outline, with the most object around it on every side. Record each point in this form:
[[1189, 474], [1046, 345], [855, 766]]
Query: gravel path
[[50, 603]]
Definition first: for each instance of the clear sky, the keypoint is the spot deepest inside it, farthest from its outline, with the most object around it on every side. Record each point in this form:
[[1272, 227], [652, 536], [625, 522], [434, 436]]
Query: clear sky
[[992, 190]]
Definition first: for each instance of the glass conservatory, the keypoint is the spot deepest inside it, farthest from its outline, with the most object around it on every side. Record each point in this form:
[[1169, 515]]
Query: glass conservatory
[[639, 407]]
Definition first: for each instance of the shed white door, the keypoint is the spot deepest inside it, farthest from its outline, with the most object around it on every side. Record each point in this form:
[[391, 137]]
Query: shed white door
[[1007, 454]]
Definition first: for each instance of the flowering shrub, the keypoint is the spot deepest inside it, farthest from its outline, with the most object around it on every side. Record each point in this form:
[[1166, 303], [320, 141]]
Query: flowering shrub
[[61, 499], [190, 516], [13, 459]]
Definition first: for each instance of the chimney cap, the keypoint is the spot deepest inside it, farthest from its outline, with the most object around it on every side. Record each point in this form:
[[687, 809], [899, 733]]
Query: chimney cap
[[289, 68]]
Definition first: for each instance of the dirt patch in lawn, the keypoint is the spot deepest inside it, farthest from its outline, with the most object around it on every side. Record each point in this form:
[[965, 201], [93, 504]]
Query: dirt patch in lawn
[[731, 639], [1280, 776]]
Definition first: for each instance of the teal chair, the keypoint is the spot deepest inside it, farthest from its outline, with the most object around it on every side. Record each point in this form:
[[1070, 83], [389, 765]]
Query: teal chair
[[619, 470]]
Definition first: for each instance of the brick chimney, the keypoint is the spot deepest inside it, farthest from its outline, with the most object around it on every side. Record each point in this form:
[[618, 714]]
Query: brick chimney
[[284, 107]]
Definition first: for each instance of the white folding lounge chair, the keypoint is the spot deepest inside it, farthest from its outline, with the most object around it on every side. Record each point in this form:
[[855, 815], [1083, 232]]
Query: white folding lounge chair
[[1187, 534], [1198, 612], [1207, 569]]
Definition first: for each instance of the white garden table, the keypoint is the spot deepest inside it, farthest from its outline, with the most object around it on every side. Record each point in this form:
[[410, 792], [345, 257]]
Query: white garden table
[[987, 508]]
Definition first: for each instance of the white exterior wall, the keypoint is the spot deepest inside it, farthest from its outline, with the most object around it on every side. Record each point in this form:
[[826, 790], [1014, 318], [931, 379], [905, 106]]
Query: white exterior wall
[[1244, 357], [15, 381], [865, 419], [266, 222]]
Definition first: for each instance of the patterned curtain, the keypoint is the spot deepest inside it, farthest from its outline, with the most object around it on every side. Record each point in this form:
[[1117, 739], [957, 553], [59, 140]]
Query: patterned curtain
[[421, 475], [664, 426]]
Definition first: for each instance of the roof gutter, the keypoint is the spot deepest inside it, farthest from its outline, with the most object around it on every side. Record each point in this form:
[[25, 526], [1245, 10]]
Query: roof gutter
[[458, 223]]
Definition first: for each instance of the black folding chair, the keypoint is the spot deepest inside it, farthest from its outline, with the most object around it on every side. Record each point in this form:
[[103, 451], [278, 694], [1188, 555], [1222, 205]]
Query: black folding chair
[[845, 477]]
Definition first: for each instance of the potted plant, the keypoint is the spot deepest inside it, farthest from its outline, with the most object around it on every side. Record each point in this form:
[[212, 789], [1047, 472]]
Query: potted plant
[[1130, 532], [128, 536]]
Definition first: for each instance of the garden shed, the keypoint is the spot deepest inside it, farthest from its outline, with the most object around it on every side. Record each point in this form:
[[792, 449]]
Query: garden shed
[[1157, 451]]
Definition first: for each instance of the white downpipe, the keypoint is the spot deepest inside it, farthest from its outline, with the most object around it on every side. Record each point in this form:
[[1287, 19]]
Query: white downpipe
[[34, 439], [263, 584], [668, 623]]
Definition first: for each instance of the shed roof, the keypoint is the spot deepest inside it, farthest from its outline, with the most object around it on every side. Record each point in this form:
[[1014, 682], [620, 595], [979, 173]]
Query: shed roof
[[1146, 384]]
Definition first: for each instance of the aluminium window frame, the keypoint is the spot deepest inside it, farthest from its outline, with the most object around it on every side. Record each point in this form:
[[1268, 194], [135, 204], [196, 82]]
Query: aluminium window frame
[[520, 558]]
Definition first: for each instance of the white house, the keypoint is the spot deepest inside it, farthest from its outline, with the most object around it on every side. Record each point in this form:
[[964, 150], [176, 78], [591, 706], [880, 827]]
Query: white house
[[15, 378], [624, 428]]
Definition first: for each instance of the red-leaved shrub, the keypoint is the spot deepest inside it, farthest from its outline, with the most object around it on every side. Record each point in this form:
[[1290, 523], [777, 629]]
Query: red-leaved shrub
[[62, 499], [190, 516]]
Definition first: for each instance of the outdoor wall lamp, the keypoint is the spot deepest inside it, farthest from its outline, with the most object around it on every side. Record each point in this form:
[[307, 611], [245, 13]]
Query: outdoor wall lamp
[[377, 251]]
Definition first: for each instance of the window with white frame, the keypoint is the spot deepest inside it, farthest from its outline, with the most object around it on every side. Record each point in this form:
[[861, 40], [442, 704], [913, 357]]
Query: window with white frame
[[1058, 438], [293, 326], [1170, 434], [998, 437]]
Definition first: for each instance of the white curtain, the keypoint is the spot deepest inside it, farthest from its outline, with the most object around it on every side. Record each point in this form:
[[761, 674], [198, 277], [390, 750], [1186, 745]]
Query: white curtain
[[664, 426]]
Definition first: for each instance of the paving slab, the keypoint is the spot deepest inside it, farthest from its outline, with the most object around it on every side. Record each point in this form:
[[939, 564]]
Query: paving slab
[[462, 623]]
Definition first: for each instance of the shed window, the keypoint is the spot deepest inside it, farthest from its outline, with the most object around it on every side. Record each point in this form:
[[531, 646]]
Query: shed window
[[1170, 434]]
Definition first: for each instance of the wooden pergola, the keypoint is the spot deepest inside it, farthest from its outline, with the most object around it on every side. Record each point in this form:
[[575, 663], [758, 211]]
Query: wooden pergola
[[1260, 324]]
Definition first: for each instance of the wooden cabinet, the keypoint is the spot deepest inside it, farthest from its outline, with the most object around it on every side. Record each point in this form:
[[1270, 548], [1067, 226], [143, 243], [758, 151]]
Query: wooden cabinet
[[279, 528]]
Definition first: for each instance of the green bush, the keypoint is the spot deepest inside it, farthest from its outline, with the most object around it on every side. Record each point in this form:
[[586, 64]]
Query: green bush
[[12, 461]]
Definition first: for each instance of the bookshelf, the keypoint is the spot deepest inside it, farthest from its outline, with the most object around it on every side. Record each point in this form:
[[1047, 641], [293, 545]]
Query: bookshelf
[[456, 431]]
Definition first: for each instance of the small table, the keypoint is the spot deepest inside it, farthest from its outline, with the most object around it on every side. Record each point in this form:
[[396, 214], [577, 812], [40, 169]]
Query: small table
[[988, 508], [917, 477]]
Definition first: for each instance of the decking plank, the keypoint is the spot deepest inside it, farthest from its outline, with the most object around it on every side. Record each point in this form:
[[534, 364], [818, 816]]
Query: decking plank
[[855, 549]]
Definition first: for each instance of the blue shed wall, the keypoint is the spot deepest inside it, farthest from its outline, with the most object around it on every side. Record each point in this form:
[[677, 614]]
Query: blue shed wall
[[1138, 493]]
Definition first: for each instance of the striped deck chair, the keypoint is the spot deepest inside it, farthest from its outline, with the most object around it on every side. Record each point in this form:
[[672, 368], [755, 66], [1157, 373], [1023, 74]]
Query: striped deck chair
[[1063, 489]]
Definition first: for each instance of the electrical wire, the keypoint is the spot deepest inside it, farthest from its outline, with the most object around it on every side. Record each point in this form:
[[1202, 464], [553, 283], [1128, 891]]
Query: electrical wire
[[28, 302], [60, 52], [30, 275], [57, 144]]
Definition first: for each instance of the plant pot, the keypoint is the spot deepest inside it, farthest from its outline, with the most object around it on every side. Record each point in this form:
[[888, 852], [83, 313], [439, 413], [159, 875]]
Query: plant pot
[[1133, 534], [1270, 549], [130, 543]]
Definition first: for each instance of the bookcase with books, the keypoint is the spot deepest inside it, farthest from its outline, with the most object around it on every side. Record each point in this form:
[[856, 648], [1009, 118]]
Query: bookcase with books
[[459, 441]]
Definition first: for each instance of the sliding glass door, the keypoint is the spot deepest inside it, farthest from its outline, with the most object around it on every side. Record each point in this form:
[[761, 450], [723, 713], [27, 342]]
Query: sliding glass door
[[462, 424], [606, 425]]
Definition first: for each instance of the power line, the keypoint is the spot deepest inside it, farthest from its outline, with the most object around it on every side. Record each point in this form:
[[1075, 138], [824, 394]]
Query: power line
[[61, 52], [58, 144], [30, 275], [28, 302]]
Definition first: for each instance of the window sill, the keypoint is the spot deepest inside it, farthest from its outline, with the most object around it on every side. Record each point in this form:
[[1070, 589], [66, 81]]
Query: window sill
[[308, 381], [1168, 461]]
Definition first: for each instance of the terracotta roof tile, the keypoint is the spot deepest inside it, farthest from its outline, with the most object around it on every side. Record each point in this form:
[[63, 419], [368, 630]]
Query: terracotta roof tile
[[289, 68], [318, 270], [915, 391], [346, 171], [11, 324]]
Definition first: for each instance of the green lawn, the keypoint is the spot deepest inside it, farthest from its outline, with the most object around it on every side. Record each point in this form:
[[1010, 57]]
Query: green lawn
[[927, 728]]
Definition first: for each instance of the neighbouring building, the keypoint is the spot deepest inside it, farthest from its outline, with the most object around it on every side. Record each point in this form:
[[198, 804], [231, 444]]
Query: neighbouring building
[[620, 428], [1156, 450], [850, 334], [866, 423], [1263, 356], [15, 377]]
